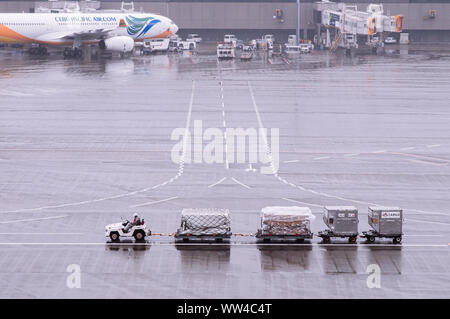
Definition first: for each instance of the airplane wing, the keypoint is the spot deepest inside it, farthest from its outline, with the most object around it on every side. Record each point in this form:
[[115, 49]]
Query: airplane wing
[[94, 34]]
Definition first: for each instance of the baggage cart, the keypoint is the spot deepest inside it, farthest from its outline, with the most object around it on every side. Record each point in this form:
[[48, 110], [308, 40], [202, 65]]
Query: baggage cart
[[285, 223], [206, 224], [342, 221], [386, 222]]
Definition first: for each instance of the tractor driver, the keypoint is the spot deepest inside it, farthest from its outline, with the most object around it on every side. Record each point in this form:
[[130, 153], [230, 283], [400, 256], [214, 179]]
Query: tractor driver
[[136, 222]]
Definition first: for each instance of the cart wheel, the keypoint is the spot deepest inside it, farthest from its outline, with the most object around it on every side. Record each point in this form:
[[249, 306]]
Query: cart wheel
[[266, 240], [114, 236], [326, 240], [300, 240], [397, 240], [139, 235], [370, 239], [78, 53], [352, 239], [67, 53], [185, 240], [219, 240]]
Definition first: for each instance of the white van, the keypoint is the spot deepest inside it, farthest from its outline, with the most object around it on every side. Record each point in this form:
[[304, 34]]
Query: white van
[[153, 45], [194, 37], [229, 38], [292, 39], [269, 38]]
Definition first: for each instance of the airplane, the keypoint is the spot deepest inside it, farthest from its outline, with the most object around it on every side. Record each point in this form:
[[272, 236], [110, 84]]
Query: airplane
[[115, 32]]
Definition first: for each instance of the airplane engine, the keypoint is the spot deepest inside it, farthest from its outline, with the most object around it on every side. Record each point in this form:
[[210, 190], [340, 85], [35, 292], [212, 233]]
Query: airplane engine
[[117, 44]]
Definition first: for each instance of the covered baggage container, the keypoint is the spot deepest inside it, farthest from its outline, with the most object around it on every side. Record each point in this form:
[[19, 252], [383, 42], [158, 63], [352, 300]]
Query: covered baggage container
[[285, 223], [342, 221], [205, 224], [385, 222]]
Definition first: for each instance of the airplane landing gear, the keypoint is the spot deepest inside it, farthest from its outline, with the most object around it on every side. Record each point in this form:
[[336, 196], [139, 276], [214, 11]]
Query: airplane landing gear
[[41, 51], [73, 53]]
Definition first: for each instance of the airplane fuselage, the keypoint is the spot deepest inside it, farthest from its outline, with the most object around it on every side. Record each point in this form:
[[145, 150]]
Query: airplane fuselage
[[67, 28]]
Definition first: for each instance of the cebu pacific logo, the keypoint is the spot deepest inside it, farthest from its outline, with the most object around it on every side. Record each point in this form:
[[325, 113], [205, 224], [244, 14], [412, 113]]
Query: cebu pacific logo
[[139, 26]]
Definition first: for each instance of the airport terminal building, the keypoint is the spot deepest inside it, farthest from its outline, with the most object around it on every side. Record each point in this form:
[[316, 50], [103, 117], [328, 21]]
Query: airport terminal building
[[425, 20]]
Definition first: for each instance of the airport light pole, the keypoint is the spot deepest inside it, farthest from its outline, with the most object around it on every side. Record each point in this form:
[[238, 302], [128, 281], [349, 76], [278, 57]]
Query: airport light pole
[[297, 31]]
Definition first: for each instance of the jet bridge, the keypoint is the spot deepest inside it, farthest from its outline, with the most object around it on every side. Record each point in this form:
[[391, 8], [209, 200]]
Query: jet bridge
[[341, 25]]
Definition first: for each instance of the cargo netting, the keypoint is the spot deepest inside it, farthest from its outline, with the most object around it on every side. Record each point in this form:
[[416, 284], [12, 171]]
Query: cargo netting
[[207, 221]]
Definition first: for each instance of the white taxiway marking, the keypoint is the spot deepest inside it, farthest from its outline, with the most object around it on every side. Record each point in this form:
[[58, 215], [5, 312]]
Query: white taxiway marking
[[353, 154], [427, 163], [217, 183], [423, 157], [407, 148], [240, 183], [32, 219], [224, 123], [41, 233], [143, 190], [424, 235], [360, 245], [323, 157], [434, 145], [292, 161], [302, 188], [427, 212], [154, 202], [427, 221]]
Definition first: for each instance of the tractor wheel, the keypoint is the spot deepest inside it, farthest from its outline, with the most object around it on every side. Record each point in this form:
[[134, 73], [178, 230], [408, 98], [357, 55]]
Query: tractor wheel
[[114, 236], [139, 235], [326, 240], [371, 239], [397, 240], [352, 239]]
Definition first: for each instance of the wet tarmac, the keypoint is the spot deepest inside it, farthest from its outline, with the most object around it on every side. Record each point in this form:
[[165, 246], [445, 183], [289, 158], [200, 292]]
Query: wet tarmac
[[84, 143]]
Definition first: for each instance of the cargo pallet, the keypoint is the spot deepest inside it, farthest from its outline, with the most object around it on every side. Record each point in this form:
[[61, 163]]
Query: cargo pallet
[[326, 235], [268, 237], [204, 237], [371, 235]]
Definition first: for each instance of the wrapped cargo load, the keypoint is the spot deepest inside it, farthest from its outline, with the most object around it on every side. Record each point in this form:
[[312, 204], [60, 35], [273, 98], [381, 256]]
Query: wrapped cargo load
[[286, 221], [205, 222]]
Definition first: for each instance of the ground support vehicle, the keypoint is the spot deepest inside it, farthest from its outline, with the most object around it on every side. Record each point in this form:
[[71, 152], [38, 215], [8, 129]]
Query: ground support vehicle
[[285, 223], [386, 222], [204, 224], [116, 231], [342, 222]]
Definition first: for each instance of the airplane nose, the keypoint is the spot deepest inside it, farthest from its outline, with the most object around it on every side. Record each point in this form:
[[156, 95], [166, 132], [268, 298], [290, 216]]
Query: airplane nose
[[173, 28]]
